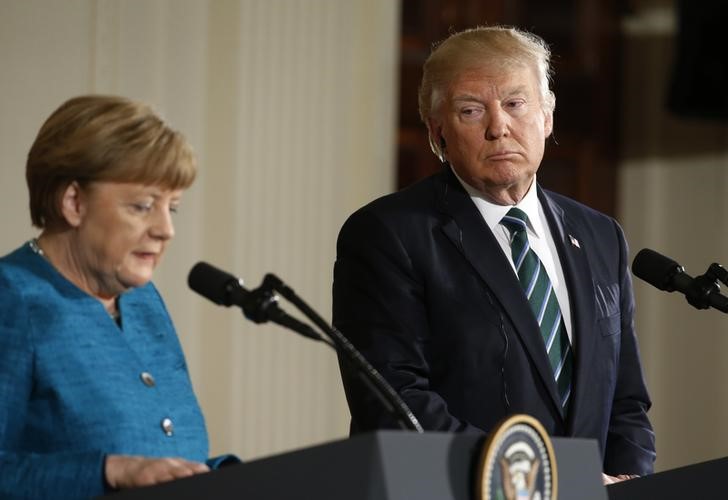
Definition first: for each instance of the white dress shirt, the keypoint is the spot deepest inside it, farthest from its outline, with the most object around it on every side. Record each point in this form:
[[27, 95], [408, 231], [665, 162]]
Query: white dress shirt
[[539, 239]]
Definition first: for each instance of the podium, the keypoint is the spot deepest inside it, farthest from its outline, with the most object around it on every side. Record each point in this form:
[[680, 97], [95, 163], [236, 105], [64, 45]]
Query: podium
[[383, 465], [703, 480]]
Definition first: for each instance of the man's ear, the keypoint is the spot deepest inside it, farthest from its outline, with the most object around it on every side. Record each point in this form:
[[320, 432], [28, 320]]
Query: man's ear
[[435, 130], [437, 141], [72, 204], [548, 124]]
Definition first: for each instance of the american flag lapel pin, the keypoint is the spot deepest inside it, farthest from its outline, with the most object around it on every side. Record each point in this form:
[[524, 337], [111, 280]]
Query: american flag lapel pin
[[574, 241]]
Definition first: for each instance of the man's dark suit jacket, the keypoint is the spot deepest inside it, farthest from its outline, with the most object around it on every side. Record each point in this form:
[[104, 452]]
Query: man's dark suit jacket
[[424, 291]]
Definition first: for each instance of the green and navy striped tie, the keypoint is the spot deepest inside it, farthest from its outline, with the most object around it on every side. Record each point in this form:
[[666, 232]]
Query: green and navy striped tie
[[537, 286]]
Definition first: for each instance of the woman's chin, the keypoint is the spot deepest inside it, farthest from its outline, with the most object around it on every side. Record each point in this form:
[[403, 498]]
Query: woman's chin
[[136, 279]]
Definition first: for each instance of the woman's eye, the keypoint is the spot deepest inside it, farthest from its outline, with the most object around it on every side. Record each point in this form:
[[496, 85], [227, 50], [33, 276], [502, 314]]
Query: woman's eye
[[142, 207]]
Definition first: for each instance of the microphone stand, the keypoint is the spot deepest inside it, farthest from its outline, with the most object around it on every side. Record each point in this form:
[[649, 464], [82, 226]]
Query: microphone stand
[[704, 291], [261, 306], [391, 401]]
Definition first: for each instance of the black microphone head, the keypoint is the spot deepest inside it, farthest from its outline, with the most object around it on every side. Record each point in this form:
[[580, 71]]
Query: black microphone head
[[656, 269], [213, 283]]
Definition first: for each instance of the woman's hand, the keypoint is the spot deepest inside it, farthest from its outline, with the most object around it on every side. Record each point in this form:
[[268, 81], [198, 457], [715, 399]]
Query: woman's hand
[[126, 471]]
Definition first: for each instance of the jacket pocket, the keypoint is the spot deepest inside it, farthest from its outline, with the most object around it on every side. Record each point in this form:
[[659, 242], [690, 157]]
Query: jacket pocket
[[610, 325], [607, 303]]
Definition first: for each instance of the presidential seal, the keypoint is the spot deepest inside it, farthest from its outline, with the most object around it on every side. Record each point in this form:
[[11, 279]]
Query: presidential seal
[[517, 462]]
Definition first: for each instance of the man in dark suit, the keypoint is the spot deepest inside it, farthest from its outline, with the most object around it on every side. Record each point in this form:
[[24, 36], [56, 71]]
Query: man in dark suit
[[477, 294]]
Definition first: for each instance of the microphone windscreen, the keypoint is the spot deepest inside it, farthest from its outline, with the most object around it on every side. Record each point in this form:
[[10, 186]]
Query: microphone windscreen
[[212, 283], [655, 269]]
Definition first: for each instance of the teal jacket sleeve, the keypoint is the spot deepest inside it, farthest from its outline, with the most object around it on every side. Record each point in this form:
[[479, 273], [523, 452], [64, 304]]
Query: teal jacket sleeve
[[77, 474]]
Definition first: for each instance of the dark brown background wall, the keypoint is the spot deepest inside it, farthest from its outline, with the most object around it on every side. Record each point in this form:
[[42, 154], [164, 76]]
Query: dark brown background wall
[[581, 157]]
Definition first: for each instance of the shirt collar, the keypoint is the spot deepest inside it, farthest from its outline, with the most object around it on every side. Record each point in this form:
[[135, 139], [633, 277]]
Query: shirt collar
[[493, 213]]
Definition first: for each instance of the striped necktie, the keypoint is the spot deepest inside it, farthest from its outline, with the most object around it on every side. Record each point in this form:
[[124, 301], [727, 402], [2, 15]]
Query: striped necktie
[[539, 291]]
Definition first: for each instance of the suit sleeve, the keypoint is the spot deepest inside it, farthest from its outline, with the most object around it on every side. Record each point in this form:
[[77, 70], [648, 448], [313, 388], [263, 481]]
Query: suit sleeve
[[379, 304], [25, 474], [630, 447]]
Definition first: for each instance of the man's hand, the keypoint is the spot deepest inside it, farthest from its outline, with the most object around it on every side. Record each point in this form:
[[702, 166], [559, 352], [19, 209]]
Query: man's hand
[[607, 479], [125, 471]]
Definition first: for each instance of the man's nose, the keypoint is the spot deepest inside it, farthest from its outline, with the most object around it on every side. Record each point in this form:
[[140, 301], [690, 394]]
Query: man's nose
[[497, 124]]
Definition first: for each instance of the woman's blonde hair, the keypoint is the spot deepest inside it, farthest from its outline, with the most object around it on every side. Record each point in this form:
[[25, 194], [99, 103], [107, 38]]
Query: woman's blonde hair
[[103, 138]]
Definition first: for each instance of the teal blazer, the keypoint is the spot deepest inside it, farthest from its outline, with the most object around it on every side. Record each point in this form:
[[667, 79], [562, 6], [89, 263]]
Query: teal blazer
[[75, 386]]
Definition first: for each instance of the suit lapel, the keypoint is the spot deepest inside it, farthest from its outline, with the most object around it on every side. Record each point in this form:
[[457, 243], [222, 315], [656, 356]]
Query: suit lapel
[[577, 273], [470, 234]]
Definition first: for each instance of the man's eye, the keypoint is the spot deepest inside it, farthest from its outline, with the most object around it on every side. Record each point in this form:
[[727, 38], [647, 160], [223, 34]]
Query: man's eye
[[470, 112]]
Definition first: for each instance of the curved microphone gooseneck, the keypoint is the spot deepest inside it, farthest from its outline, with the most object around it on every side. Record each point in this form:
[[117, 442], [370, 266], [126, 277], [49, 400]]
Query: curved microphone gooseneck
[[386, 394], [261, 305]]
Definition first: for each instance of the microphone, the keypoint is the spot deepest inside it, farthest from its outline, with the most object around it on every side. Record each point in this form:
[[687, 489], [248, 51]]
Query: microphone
[[216, 285], [664, 273], [660, 271], [259, 305]]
